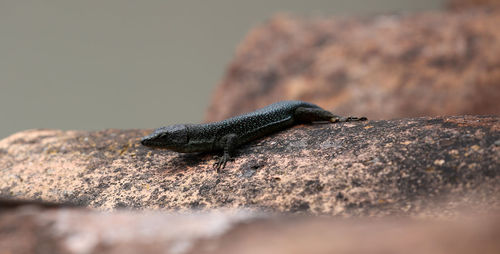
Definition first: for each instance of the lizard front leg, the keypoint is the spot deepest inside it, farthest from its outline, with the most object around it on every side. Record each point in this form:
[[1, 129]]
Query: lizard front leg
[[229, 143]]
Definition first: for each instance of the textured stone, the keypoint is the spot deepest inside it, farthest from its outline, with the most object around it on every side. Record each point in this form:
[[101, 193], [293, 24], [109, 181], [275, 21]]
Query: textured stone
[[37, 230], [419, 166], [382, 67]]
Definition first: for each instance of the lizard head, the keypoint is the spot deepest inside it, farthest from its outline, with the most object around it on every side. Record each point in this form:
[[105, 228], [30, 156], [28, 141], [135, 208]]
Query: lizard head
[[169, 137]]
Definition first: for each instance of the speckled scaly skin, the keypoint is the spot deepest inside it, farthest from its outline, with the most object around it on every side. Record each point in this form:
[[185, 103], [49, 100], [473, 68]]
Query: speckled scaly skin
[[231, 133]]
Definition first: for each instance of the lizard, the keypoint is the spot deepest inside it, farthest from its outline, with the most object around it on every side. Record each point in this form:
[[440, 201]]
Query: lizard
[[227, 135]]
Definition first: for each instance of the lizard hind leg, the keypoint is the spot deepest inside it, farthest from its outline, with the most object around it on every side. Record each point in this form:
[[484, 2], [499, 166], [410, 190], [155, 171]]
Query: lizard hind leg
[[303, 114], [307, 115]]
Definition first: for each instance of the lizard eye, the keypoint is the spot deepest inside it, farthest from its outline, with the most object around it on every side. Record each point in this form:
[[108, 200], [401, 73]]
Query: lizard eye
[[175, 135]]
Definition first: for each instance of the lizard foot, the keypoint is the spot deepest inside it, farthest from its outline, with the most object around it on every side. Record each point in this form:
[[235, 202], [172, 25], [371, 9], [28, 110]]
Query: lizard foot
[[221, 163], [347, 119]]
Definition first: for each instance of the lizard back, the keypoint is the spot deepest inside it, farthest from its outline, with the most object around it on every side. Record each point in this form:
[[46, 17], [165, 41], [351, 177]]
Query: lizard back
[[258, 123]]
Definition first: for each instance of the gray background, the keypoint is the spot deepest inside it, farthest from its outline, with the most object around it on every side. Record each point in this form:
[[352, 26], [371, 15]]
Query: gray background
[[98, 64]]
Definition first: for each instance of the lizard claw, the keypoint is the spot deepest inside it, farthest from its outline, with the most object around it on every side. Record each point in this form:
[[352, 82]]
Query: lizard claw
[[221, 163]]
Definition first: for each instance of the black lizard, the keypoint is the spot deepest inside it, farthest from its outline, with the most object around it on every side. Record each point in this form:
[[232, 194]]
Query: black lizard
[[231, 133]]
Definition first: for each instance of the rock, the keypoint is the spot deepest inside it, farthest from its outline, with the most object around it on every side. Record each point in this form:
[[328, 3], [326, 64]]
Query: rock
[[8, 203], [417, 166], [34, 229], [382, 67]]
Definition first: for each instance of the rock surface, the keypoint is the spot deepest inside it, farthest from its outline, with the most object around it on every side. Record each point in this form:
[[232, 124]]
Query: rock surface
[[382, 67], [38, 230], [420, 166]]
